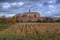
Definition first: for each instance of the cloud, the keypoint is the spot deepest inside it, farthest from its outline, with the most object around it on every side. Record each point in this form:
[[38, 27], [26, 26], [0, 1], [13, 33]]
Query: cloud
[[19, 0], [1, 14], [57, 1], [44, 7], [6, 5]]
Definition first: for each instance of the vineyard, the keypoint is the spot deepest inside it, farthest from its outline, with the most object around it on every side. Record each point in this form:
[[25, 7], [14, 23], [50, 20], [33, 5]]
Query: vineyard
[[31, 31]]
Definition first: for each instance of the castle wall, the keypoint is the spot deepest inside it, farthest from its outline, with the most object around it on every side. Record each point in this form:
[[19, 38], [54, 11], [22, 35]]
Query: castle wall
[[30, 16]]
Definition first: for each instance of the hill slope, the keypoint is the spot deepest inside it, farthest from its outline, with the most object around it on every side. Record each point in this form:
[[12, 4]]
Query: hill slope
[[45, 30]]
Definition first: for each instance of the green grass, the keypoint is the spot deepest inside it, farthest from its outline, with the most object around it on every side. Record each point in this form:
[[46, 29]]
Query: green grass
[[20, 38], [4, 26], [24, 38]]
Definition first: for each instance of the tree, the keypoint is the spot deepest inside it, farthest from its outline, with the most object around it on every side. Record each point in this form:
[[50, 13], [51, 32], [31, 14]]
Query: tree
[[39, 21], [13, 20], [57, 20], [3, 19]]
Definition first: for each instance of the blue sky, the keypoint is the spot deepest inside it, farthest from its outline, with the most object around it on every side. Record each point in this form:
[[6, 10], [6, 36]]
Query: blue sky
[[47, 8]]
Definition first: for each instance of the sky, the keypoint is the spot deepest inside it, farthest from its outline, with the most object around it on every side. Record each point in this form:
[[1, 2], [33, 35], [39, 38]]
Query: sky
[[46, 8]]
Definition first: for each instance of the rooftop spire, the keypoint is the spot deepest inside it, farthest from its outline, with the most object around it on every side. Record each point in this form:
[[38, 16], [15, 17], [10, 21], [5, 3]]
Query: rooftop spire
[[29, 10]]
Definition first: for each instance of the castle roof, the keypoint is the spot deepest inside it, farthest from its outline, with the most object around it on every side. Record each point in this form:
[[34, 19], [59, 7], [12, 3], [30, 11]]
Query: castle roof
[[35, 18]]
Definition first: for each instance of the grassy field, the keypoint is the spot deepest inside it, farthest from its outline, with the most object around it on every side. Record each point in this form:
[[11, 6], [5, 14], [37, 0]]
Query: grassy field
[[31, 31], [4, 26]]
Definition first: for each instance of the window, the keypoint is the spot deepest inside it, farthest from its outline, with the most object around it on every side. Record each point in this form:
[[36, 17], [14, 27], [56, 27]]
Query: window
[[34, 15], [24, 16]]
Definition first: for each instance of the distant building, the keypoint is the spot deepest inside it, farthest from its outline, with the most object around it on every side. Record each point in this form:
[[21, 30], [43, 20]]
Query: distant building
[[29, 16], [56, 18]]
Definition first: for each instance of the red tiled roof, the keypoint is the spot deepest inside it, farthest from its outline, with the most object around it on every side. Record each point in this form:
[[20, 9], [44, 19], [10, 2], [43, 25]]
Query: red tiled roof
[[35, 18]]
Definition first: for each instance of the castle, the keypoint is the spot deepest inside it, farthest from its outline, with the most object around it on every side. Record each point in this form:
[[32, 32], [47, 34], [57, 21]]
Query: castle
[[29, 16]]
